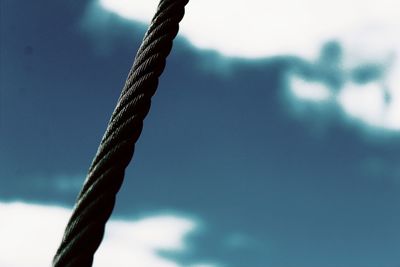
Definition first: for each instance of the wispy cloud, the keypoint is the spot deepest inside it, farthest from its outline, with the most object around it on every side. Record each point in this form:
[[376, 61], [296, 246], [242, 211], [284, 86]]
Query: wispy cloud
[[62, 183], [30, 234], [382, 170], [366, 92]]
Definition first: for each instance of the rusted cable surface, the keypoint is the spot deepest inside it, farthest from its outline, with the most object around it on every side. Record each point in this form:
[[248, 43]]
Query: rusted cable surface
[[85, 229]]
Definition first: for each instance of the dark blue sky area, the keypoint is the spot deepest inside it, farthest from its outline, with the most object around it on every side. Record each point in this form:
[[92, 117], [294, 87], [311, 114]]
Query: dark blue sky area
[[221, 142]]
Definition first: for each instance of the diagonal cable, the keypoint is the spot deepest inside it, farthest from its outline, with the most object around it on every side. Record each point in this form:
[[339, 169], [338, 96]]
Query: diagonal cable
[[85, 229]]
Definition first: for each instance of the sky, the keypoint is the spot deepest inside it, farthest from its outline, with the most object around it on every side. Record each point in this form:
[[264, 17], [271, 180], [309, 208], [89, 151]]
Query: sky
[[272, 141]]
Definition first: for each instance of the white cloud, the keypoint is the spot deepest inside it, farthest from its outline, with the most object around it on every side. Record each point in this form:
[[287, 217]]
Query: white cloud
[[129, 243], [31, 233], [254, 28], [368, 30], [140, 10], [369, 104], [309, 91]]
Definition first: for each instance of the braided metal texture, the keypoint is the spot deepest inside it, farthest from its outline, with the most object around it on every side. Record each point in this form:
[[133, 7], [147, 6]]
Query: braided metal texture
[[85, 229]]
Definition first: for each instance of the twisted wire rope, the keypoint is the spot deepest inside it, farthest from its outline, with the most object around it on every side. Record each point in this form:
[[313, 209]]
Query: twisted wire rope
[[95, 202]]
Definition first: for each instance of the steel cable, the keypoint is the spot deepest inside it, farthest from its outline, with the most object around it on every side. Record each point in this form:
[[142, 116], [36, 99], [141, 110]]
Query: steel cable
[[95, 202]]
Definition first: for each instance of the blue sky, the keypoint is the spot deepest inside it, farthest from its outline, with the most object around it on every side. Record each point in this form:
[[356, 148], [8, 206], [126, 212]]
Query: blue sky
[[249, 157]]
